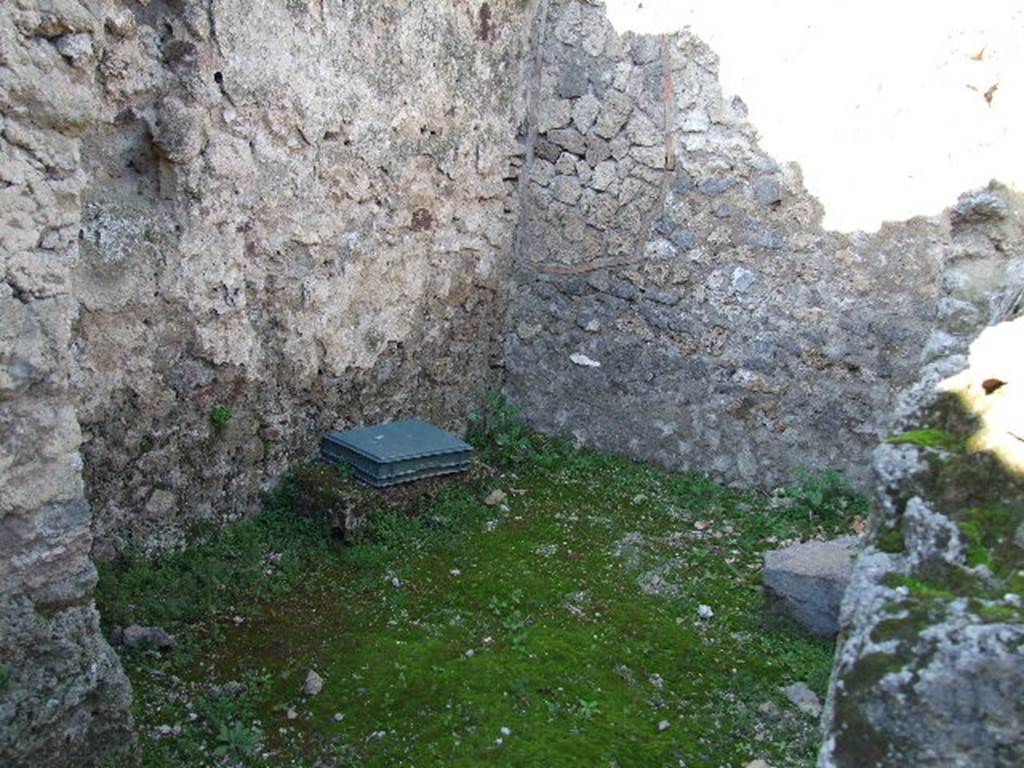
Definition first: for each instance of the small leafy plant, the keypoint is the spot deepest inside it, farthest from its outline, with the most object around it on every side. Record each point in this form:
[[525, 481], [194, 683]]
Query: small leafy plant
[[825, 496], [236, 740], [587, 710], [220, 417], [498, 432]]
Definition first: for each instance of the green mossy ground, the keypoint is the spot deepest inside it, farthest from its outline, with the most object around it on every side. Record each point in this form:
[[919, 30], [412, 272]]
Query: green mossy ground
[[929, 438], [569, 617]]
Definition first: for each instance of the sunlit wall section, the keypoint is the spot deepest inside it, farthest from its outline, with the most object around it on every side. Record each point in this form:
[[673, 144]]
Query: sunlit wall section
[[891, 109]]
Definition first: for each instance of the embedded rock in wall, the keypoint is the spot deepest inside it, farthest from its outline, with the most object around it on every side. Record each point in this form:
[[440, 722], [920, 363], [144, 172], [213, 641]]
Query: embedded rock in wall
[[734, 334], [298, 214], [63, 696], [930, 665]]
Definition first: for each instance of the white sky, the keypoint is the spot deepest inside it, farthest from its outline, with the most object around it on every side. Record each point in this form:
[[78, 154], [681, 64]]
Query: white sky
[[880, 103]]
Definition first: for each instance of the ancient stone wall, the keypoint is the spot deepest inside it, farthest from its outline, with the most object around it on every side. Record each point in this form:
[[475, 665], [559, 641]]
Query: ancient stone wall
[[226, 228], [929, 665], [63, 695], [297, 214], [675, 296], [229, 226]]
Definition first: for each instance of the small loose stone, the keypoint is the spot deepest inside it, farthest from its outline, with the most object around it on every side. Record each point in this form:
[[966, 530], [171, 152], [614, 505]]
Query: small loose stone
[[313, 685], [495, 497], [803, 698]]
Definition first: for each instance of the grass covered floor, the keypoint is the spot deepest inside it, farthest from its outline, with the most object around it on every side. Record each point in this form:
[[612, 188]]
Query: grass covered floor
[[559, 628]]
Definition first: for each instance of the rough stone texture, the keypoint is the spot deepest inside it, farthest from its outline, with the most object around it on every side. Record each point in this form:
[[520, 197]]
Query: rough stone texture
[[930, 661], [734, 334], [304, 215], [313, 684], [301, 211], [65, 699], [809, 580]]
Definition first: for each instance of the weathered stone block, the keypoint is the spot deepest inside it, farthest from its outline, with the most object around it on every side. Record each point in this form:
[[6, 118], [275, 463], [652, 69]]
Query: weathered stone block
[[67, 699], [809, 580], [767, 190], [584, 112], [553, 113], [614, 114], [930, 669], [572, 80]]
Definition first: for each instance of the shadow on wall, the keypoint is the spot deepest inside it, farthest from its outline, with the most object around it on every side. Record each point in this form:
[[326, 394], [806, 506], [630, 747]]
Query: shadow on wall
[[891, 110]]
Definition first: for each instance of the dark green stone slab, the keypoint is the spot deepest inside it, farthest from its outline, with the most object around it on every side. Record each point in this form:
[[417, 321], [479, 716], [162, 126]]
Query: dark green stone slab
[[410, 477], [402, 451]]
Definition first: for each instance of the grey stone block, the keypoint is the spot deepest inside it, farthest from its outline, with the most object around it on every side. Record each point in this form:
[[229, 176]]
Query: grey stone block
[[809, 580]]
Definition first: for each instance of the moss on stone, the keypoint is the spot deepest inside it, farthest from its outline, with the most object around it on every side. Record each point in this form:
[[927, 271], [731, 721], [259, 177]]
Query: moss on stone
[[929, 438], [977, 553], [956, 484], [990, 533], [975, 490], [917, 614], [859, 741], [920, 588], [891, 541], [996, 613]]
